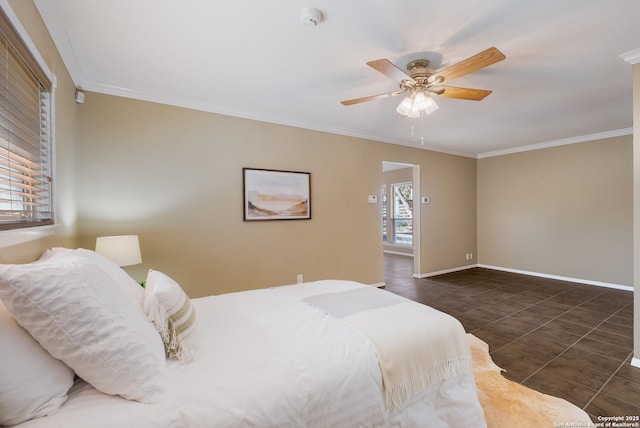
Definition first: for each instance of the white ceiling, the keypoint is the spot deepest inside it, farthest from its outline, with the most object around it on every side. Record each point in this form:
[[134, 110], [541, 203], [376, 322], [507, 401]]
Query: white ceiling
[[563, 78]]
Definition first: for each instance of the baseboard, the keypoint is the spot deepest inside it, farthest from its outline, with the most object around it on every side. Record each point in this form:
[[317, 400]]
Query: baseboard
[[524, 272], [379, 284], [441, 272], [561, 278], [635, 362], [398, 253]]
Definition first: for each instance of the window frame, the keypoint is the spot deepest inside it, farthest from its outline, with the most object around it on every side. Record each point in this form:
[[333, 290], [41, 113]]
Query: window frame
[[33, 66], [389, 221]]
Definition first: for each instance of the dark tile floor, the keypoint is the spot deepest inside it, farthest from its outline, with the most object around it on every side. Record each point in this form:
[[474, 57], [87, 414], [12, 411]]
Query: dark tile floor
[[569, 340]]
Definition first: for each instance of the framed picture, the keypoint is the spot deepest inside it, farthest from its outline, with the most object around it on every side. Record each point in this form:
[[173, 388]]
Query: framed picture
[[276, 195]]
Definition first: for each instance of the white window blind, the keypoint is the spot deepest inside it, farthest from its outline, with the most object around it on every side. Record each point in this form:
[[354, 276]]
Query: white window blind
[[25, 137]]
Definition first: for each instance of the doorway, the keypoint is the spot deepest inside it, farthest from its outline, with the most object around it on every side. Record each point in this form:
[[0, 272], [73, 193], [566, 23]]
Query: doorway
[[400, 211]]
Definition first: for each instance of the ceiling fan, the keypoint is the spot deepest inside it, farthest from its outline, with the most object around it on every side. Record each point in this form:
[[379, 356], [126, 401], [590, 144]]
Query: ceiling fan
[[420, 82]]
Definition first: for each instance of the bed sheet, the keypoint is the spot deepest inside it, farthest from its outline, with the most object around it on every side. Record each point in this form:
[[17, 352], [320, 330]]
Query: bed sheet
[[266, 359]]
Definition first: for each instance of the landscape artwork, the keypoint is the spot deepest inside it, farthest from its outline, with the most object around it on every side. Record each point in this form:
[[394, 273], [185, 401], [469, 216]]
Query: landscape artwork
[[276, 195]]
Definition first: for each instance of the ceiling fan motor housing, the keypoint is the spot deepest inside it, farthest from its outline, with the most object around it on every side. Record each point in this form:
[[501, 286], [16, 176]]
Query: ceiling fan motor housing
[[419, 70]]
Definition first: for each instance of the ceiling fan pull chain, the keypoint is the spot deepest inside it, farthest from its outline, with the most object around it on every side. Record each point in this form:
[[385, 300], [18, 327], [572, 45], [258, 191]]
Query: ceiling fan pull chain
[[422, 126]]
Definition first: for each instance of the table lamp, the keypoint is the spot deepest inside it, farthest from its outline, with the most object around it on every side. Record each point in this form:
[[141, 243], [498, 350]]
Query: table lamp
[[123, 250]]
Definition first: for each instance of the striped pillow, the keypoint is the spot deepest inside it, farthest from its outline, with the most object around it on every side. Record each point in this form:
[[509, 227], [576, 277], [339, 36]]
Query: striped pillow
[[171, 312]]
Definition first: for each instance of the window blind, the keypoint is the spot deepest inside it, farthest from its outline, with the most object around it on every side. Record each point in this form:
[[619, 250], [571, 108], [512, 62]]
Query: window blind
[[25, 142]]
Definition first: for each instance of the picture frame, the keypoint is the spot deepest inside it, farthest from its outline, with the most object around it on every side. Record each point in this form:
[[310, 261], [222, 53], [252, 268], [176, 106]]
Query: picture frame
[[271, 194]]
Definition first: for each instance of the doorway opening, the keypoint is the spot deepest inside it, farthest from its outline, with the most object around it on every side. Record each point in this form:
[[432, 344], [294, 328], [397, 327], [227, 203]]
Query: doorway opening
[[400, 210], [397, 222]]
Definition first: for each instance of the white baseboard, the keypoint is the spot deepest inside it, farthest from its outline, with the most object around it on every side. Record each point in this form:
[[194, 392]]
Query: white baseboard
[[524, 272], [561, 278], [379, 284], [398, 253], [440, 272], [635, 362]]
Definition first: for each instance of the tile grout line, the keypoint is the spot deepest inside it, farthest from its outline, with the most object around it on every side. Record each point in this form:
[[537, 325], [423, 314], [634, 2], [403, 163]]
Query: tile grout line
[[569, 346], [615, 372], [574, 343], [577, 340], [525, 308], [607, 381], [549, 321]]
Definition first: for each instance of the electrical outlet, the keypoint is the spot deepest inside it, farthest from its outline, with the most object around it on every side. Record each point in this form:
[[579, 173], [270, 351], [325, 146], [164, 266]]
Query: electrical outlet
[[300, 278]]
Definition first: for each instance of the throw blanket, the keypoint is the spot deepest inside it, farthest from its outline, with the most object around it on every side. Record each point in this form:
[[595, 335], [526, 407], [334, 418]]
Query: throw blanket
[[417, 346]]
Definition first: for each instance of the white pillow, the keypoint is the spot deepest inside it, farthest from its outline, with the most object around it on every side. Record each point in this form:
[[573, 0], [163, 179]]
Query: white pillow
[[171, 312], [32, 382], [128, 284], [78, 314]]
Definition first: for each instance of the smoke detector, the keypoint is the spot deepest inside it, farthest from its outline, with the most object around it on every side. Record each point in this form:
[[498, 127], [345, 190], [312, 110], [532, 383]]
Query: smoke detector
[[310, 16]]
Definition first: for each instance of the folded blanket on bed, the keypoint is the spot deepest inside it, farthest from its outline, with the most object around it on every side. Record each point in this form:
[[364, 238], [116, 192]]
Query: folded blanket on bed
[[417, 346]]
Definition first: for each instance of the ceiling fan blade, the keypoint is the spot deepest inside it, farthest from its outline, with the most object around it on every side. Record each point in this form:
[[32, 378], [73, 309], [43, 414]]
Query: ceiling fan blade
[[371, 98], [471, 64], [389, 69], [460, 93]]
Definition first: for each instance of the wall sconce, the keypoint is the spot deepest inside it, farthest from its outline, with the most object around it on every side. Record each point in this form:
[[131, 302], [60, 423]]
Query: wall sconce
[[123, 250]]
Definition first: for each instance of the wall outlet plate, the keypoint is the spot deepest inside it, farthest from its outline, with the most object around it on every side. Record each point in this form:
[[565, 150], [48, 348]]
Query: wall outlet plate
[[373, 199]]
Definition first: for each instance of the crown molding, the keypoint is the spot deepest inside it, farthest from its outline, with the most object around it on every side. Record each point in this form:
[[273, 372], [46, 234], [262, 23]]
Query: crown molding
[[556, 143], [632, 57], [218, 109], [214, 108]]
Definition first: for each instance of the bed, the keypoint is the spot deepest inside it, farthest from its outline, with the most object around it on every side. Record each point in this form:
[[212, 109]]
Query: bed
[[323, 354]]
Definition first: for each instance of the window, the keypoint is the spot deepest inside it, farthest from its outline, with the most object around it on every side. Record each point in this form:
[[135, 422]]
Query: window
[[399, 228], [384, 213], [25, 136]]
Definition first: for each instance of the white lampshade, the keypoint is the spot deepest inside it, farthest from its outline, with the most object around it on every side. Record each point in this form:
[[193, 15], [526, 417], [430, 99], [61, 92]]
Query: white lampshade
[[123, 250], [415, 103], [405, 106], [429, 105], [419, 101]]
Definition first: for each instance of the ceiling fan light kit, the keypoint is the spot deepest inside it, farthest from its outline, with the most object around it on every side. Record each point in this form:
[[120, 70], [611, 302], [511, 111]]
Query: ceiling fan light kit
[[420, 83], [416, 103]]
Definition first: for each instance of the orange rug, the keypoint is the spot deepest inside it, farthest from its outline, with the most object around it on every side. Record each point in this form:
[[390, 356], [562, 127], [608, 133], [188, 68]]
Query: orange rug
[[508, 404]]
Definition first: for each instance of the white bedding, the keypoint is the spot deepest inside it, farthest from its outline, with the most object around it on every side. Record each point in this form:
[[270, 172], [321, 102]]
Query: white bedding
[[267, 359], [417, 346]]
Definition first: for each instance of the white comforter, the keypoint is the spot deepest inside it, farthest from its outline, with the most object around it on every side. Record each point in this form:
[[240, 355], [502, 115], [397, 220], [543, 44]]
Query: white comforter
[[267, 359]]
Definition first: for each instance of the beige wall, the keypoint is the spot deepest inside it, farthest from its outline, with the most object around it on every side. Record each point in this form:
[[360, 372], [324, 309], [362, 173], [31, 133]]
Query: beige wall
[[447, 233], [563, 211], [24, 246], [174, 176]]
